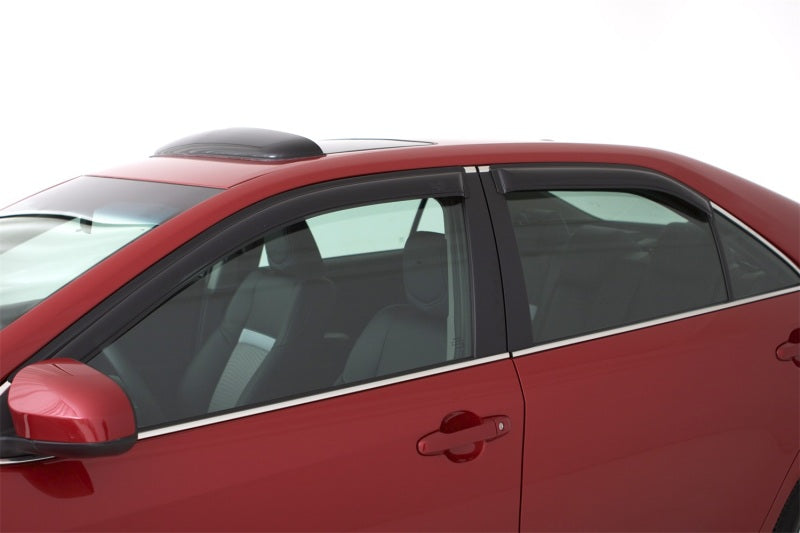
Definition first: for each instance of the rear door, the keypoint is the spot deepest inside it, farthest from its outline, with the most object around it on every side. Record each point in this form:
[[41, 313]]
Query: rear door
[[375, 431], [646, 352]]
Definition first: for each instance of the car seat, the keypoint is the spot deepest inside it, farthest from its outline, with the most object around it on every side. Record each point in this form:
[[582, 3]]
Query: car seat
[[410, 335], [270, 334]]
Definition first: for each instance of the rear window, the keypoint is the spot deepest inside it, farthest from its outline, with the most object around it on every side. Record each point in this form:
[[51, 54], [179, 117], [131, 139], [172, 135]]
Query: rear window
[[619, 206], [374, 228]]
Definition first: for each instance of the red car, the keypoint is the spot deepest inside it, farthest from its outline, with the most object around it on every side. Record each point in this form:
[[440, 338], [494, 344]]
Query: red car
[[252, 330]]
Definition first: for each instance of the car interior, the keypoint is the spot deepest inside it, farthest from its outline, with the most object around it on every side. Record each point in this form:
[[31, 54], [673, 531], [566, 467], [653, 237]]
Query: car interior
[[585, 274], [276, 320], [279, 319]]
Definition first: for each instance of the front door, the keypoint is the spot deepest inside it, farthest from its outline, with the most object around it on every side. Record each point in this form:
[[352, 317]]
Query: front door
[[334, 361]]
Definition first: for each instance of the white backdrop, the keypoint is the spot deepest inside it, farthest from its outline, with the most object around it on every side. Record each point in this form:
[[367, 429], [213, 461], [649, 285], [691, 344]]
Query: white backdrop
[[87, 85]]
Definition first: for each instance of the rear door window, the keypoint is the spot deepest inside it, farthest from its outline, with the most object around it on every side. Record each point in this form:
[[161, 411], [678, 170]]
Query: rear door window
[[594, 260]]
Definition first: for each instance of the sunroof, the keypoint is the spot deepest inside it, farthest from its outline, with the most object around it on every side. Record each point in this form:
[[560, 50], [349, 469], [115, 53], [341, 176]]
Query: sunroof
[[333, 146], [243, 143], [269, 145]]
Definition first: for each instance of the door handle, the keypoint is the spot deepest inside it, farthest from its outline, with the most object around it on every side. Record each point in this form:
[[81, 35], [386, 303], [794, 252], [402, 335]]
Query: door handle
[[462, 435], [790, 350]]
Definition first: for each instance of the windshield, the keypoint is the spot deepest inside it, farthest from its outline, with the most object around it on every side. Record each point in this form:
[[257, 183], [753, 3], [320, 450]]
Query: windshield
[[51, 238]]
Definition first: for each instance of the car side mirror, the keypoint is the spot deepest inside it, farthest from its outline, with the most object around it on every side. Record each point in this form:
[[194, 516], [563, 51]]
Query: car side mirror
[[64, 408]]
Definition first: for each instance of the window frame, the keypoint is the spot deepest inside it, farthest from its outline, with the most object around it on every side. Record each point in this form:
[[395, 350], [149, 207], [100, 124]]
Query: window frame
[[140, 296], [499, 180]]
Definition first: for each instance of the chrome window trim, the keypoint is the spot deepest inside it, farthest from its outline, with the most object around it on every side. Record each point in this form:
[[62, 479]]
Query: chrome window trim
[[244, 413], [651, 323], [757, 236]]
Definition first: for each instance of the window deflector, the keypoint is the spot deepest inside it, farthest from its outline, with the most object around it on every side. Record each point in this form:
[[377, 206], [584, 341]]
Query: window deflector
[[526, 177]]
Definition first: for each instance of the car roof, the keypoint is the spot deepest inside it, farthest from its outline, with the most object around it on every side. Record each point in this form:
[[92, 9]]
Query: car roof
[[229, 157], [365, 156], [246, 181], [265, 162]]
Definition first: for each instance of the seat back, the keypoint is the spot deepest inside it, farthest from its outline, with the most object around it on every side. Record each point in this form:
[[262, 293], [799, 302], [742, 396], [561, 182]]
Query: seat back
[[413, 334], [684, 273], [592, 284], [264, 348], [542, 236]]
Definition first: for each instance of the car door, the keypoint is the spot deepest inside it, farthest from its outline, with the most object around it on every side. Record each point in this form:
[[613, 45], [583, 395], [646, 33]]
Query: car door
[[646, 352], [404, 413]]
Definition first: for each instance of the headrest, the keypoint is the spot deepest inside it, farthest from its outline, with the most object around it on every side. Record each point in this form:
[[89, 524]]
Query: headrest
[[293, 251], [425, 272]]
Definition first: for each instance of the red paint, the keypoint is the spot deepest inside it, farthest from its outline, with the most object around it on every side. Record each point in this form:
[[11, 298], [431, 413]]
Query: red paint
[[201, 172], [348, 463], [790, 350], [462, 436], [60, 479], [782, 495], [689, 425], [692, 424], [62, 400]]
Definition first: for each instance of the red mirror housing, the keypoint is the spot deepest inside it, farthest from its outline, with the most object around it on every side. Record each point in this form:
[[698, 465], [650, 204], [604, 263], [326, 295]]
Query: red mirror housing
[[65, 408]]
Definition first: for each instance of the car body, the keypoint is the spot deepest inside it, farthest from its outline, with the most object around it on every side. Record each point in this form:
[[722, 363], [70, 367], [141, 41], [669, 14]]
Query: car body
[[400, 335]]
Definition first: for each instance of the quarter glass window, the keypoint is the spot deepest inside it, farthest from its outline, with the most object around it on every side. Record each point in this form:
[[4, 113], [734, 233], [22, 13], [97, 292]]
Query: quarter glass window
[[752, 267]]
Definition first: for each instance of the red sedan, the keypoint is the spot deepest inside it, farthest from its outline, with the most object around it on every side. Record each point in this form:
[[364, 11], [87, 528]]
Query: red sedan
[[252, 330]]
